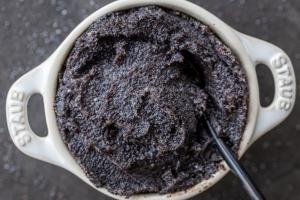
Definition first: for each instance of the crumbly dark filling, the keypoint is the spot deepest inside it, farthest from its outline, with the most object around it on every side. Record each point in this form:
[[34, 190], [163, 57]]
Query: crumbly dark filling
[[131, 98]]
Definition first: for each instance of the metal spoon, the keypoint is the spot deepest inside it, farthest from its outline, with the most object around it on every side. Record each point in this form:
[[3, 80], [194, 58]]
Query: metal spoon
[[234, 165]]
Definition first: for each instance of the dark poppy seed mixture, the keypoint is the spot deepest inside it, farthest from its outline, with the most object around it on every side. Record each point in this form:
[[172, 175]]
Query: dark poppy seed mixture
[[131, 98]]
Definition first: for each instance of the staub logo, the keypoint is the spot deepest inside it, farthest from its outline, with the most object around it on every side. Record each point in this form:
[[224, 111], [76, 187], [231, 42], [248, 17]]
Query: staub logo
[[285, 81], [17, 118]]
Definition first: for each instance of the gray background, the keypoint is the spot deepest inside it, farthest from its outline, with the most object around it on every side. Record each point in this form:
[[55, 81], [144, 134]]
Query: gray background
[[31, 30]]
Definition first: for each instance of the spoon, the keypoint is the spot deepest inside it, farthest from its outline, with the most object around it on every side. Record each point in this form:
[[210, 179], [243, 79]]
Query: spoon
[[234, 165]]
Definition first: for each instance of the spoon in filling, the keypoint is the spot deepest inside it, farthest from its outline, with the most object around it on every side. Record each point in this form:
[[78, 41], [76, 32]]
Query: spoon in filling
[[236, 168]]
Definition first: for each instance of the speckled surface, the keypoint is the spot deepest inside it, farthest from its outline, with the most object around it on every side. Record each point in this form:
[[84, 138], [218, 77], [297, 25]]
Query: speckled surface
[[29, 32]]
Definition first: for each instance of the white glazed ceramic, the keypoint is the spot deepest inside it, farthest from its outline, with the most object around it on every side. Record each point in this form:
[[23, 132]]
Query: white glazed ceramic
[[43, 79]]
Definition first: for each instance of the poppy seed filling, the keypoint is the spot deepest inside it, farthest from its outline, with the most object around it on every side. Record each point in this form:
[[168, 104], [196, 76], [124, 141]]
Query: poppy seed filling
[[131, 98]]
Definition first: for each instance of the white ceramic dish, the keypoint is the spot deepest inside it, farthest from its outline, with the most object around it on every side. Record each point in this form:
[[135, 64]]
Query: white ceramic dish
[[43, 80]]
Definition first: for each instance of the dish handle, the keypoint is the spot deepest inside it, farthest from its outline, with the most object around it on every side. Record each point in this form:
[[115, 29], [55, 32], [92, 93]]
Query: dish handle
[[22, 135], [279, 63]]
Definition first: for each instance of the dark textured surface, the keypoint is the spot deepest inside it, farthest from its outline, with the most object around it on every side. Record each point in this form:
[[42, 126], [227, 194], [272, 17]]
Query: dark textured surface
[[131, 98], [31, 31]]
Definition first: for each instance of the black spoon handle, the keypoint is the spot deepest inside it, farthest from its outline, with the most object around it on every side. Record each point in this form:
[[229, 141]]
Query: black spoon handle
[[235, 166]]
